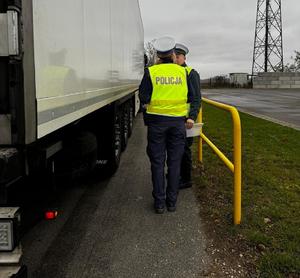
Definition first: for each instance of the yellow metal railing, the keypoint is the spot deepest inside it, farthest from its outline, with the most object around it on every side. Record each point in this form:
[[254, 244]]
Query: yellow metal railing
[[235, 167]]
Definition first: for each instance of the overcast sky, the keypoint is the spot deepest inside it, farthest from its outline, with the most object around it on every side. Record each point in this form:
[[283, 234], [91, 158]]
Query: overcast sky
[[219, 33]]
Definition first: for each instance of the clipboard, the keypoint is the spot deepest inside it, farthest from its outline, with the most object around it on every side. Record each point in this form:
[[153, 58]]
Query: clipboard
[[195, 130]]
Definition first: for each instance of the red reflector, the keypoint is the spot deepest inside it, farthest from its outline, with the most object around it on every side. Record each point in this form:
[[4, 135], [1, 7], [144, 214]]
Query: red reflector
[[50, 215]]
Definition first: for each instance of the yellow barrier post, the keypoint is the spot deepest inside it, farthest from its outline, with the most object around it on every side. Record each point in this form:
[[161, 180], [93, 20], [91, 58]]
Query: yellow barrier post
[[236, 166], [237, 160], [200, 143]]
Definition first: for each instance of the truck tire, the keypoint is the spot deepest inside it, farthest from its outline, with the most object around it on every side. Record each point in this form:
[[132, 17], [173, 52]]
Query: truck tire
[[130, 120], [116, 144], [109, 139], [125, 125]]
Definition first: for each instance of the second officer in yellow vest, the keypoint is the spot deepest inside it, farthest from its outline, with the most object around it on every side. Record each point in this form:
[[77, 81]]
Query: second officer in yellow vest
[[165, 91], [194, 77]]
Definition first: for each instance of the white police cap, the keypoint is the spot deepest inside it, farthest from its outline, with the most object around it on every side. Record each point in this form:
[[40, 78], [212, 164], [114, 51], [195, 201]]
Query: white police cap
[[164, 45], [181, 49]]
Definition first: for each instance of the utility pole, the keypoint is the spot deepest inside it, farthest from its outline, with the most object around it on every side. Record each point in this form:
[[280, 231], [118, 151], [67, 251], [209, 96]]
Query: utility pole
[[268, 50]]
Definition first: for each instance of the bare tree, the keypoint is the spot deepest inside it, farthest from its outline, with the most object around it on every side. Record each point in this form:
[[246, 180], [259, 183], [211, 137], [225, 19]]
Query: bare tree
[[150, 53], [295, 65]]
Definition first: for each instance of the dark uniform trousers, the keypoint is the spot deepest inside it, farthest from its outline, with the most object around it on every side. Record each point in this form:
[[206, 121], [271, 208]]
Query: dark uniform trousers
[[166, 139], [186, 163]]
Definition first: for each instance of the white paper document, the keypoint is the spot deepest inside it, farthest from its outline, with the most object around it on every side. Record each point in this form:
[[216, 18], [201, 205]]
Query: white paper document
[[195, 130]]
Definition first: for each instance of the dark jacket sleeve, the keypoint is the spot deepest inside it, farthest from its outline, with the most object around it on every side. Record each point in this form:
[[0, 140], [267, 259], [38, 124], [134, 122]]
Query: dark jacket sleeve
[[146, 88], [194, 96]]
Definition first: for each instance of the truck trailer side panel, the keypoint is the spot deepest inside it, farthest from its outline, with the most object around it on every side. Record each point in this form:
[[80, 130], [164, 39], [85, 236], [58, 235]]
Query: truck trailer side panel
[[86, 55]]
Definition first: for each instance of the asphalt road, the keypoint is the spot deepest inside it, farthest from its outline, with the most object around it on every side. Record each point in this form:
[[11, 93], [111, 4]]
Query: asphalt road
[[280, 106], [109, 228]]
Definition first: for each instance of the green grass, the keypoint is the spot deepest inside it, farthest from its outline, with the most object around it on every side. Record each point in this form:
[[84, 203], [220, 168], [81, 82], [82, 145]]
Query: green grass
[[270, 187]]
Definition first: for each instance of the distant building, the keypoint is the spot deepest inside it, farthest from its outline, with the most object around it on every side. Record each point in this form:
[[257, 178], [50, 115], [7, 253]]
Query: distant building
[[239, 79]]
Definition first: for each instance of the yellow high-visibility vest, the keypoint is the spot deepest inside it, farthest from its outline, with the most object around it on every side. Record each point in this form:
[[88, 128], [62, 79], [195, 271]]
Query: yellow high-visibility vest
[[170, 89], [189, 69]]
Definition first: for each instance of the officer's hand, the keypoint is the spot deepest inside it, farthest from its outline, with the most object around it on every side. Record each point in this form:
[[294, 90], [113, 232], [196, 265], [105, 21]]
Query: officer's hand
[[189, 123]]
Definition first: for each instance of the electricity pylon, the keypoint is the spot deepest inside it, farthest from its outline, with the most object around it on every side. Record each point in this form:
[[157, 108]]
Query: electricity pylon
[[268, 50]]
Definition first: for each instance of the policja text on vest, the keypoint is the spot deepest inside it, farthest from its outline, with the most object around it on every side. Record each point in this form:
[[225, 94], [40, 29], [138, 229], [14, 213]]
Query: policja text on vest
[[163, 80]]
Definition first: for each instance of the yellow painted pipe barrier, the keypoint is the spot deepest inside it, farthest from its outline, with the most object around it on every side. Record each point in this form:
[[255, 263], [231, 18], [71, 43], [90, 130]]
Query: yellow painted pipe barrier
[[200, 153], [219, 153], [236, 166]]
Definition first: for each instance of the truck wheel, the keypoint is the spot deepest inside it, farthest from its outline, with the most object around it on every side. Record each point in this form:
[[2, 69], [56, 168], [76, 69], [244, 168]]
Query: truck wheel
[[109, 140], [125, 126], [130, 119], [116, 145]]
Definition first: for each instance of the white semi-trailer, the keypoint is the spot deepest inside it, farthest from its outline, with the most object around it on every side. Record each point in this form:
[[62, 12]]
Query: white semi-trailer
[[69, 74]]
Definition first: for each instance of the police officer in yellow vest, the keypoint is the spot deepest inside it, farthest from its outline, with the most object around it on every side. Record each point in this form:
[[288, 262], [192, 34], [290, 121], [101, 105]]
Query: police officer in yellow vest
[[165, 92], [186, 163]]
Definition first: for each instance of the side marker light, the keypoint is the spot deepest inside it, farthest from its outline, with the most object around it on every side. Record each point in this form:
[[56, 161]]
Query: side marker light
[[52, 214]]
